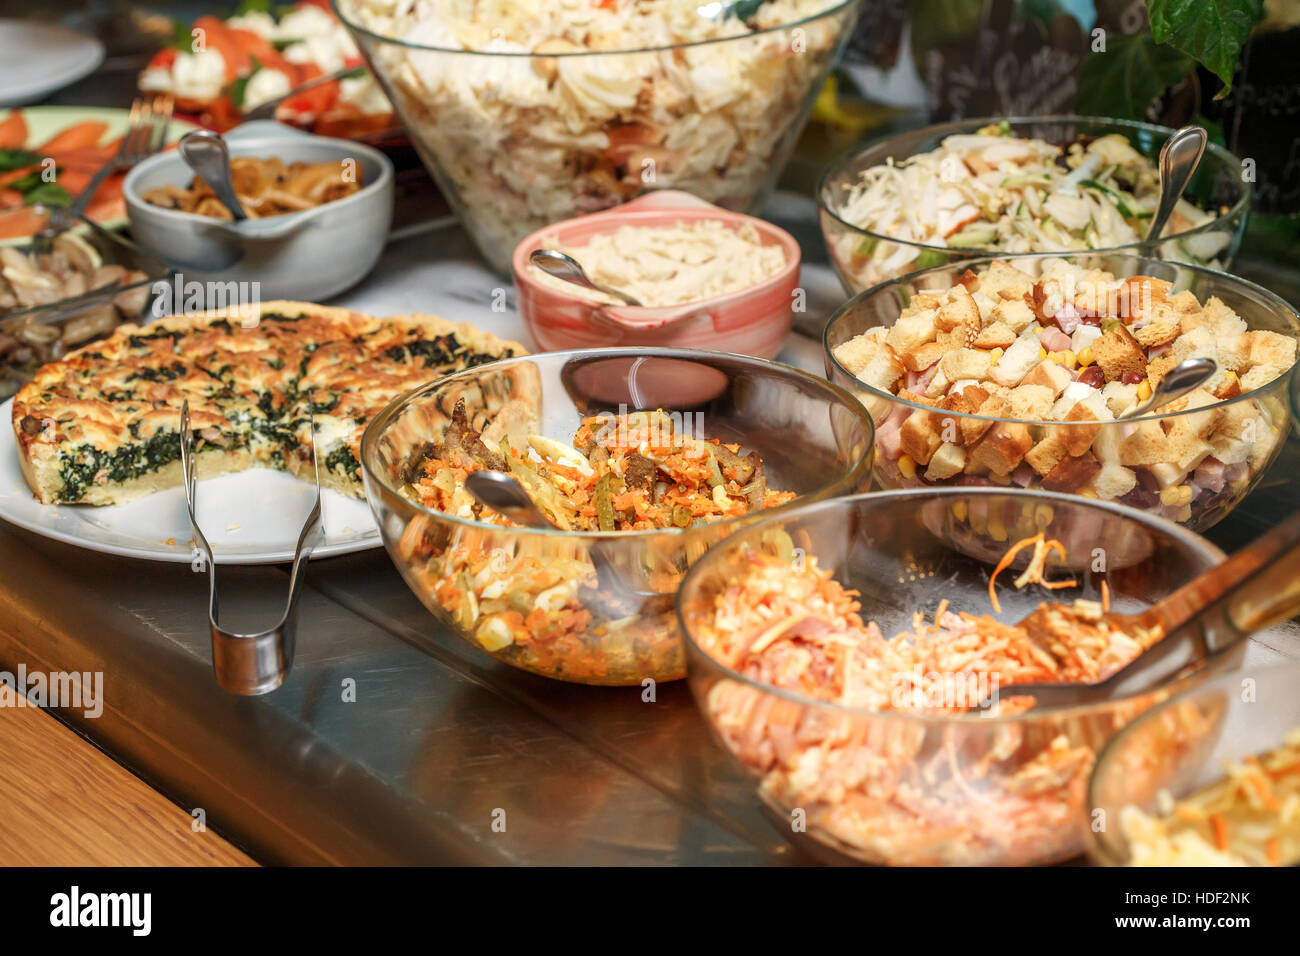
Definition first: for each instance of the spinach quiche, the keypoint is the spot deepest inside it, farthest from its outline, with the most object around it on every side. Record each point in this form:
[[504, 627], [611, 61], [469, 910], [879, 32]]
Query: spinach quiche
[[101, 425]]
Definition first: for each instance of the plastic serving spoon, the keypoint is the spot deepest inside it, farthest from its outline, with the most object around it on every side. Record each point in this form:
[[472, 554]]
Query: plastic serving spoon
[[1179, 158], [505, 495], [567, 268], [207, 154], [1182, 378], [1255, 588]]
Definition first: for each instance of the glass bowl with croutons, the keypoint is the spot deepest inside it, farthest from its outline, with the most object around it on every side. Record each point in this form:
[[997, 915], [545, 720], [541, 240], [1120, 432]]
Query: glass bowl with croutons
[[1037, 372], [635, 460]]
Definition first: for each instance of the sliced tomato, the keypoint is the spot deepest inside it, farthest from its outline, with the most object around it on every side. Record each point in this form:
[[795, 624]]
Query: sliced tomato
[[76, 136], [162, 60], [22, 222], [221, 39], [16, 174], [318, 99], [13, 130]]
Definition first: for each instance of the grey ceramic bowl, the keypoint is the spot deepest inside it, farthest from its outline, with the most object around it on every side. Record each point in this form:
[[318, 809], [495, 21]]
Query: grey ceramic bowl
[[310, 255]]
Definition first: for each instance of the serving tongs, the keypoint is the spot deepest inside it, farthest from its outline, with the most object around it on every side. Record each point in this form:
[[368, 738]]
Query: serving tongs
[[257, 662], [1257, 587]]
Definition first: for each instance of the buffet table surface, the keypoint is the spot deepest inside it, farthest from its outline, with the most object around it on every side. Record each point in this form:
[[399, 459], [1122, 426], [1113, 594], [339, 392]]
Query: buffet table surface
[[440, 754], [439, 746]]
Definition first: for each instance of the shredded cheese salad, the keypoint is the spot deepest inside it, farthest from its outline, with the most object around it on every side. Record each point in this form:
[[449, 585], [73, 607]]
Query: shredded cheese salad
[[899, 791]]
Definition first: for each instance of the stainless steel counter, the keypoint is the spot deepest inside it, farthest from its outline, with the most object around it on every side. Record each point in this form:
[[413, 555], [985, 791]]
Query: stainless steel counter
[[392, 741]]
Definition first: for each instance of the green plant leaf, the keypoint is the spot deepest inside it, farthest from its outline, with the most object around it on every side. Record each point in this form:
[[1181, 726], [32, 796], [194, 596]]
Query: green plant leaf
[[1131, 72], [1210, 31], [11, 159], [937, 21]]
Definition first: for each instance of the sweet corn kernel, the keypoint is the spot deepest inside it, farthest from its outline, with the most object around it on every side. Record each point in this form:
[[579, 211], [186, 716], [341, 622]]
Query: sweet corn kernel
[[1184, 515], [959, 511], [1085, 356], [1176, 495], [1068, 358], [907, 466], [1087, 493], [996, 355], [1144, 391], [997, 530], [1042, 353], [1043, 515]]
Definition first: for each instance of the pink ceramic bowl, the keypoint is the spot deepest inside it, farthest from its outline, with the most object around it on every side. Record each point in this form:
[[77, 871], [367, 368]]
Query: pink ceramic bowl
[[753, 321]]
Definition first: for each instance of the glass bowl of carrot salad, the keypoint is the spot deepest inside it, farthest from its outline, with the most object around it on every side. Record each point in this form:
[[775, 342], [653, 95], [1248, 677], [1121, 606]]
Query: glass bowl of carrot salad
[[640, 458], [1210, 778], [849, 654]]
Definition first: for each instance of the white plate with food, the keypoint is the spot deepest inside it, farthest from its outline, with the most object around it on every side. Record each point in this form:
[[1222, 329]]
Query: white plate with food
[[93, 455], [41, 58], [249, 517]]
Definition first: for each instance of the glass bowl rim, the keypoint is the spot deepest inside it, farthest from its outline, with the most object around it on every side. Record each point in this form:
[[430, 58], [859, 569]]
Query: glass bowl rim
[[836, 8], [843, 309], [1107, 751], [159, 271], [845, 159], [1170, 529], [858, 472]]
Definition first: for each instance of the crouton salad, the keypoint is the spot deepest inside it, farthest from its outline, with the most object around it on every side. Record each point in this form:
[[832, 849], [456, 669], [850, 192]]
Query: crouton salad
[[992, 190], [911, 793], [1250, 817], [542, 604], [533, 112], [1014, 379]]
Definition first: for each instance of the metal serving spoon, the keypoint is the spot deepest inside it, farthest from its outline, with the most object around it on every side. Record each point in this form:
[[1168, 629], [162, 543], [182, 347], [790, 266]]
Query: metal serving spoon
[[505, 495], [207, 154], [1179, 158], [1180, 380], [1252, 590], [557, 264]]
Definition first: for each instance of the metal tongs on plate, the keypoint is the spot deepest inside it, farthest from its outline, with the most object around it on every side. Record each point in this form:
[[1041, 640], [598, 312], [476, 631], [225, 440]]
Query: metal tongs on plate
[[255, 663]]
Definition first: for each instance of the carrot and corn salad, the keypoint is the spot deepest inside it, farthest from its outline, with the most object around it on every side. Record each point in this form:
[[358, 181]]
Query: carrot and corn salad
[[538, 601], [631, 472], [899, 791], [1250, 817]]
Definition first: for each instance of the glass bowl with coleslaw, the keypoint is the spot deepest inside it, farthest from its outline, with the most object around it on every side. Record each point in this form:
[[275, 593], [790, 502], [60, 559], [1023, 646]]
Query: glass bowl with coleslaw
[[937, 195], [848, 654], [641, 458], [530, 113], [1209, 778]]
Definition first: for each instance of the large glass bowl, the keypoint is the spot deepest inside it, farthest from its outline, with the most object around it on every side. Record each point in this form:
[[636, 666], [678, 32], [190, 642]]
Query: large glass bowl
[[813, 437], [1186, 744], [893, 787], [863, 258], [1211, 491], [517, 140]]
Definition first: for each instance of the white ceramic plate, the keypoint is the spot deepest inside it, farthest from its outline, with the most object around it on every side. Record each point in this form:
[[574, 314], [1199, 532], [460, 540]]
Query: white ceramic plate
[[40, 58], [249, 517]]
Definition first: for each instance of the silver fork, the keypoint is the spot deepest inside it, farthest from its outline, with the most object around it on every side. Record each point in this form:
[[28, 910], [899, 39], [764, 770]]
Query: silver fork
[[146, 134]]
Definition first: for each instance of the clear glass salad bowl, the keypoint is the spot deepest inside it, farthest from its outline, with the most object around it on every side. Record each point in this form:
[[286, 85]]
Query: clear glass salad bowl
[[863, 258], [518, 139], [1198, 498], [813, 437], [907, 788], [1185, 744]]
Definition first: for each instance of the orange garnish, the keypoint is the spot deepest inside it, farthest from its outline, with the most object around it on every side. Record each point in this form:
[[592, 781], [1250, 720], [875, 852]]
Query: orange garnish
[[1033, 573], [1220, 828]]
